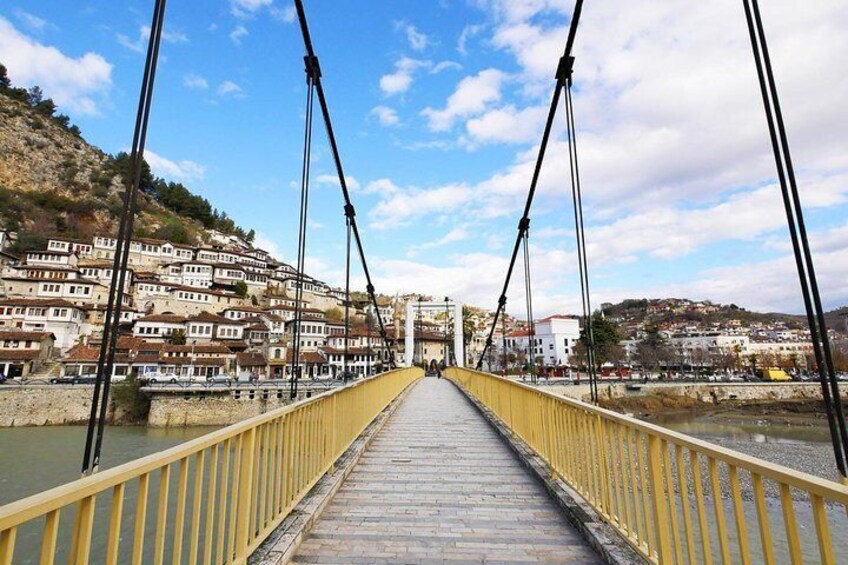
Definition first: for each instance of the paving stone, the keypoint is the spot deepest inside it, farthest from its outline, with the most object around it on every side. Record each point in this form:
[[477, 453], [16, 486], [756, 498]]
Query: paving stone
[[437, 485]]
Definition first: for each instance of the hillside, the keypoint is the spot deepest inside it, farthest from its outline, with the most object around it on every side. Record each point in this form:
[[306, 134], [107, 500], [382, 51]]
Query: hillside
[[52, 182], [665, 311]]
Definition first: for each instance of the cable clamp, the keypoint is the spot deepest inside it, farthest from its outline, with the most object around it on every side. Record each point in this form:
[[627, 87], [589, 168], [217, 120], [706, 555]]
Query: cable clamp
[[524, 224], [349, 211], [313, 69], [370, 289], [502, 300], [488, 342], [564, 69]]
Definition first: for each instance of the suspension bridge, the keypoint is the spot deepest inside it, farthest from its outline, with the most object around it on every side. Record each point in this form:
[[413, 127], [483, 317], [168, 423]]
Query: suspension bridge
[[468, 467]]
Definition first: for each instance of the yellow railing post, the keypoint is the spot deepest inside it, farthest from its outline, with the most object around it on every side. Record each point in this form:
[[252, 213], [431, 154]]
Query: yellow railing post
[[658, 503], [245, 495]]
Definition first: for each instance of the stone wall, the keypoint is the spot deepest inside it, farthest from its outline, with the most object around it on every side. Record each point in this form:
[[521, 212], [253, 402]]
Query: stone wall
[[44, 405], [703, 392], [57, 405], [211, 408]]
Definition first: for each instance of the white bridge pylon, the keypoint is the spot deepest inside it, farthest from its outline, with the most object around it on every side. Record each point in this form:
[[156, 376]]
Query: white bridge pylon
[[413, 307]]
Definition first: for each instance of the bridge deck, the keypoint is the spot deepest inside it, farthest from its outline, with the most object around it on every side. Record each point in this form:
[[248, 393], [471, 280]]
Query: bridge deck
[[438, 485]]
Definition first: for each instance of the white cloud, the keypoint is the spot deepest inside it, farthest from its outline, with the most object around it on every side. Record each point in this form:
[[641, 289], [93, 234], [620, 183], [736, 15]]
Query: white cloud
[[400, 80], [229, 88], [381, 186], [387, 116], [75, 84], [417, 41], [247, 8], [472, 95], [139, 45], [507, 125], [398, 206], [184, 170], [263, 241], [333, 180], [32, 21], [239, 32], [445, 66], [468, 32], [195, 81], [459, 233], [287, 14]]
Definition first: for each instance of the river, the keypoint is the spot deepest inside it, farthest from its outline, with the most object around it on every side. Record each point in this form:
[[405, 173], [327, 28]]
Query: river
[[797, 441], [36, 459]]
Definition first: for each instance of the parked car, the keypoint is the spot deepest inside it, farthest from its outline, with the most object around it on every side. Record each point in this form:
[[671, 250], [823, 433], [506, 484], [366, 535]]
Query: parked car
[[247, 377], [220, 380], [74, 380], [63, 380], [165, 378]]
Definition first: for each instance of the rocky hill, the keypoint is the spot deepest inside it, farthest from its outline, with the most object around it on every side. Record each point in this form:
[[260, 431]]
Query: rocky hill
[[52, 182], [663, 311]]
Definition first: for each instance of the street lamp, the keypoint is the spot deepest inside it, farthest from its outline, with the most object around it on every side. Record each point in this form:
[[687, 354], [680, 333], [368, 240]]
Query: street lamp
[[447, 326]]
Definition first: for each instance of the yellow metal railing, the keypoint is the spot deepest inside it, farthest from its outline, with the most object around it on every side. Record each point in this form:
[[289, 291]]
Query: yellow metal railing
[[213, 500], [666, 493]]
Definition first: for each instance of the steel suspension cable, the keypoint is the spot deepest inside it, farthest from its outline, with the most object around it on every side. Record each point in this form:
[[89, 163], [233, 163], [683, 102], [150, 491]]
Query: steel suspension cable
[[798, 235], [331, 137], [112, 314], [577, 199], [528, 297], [347, 302], [302, 227], [523, 224]]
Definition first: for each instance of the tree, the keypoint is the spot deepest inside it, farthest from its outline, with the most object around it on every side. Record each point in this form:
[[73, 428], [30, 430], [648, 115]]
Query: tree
[[178, 337], [5, 83], [36, 96], [240, 288], [250, 237], [700, 358], [174, 231], [606, 338], [653, 351], [121, 164], [334, 314], [468, 327], [579, 355]]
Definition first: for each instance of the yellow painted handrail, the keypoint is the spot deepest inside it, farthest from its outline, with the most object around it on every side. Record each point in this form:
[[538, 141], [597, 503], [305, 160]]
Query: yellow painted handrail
[[656, 486], [216, 497]]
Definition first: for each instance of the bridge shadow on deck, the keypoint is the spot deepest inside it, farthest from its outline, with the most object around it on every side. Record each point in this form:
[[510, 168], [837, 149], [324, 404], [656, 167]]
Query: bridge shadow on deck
[[438, 485]]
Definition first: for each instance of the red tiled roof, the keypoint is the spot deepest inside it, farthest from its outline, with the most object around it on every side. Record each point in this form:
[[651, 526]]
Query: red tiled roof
[[559, 317], [163, 318], [211, 318], [45, 302], [80, 353], [251, 359], [18, 354], [307, 357], [210, 361], [212, 348], [25, 336]]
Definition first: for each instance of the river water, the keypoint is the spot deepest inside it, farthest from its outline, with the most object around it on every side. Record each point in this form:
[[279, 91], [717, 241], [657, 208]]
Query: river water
[[797, 441], [36, 459]]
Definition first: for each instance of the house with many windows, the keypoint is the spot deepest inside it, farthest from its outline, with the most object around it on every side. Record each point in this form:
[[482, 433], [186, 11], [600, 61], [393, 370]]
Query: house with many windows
[[62, 319], [22, 353]]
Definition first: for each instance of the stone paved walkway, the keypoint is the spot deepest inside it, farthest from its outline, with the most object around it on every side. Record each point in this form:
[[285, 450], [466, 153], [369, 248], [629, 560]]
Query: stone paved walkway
[[438, 485]]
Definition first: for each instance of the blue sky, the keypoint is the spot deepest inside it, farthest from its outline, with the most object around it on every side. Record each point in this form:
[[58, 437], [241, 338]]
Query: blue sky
[[438, 109]]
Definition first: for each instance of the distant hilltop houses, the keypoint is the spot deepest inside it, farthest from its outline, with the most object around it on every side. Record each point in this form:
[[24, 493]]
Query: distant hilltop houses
[[224, 307]]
